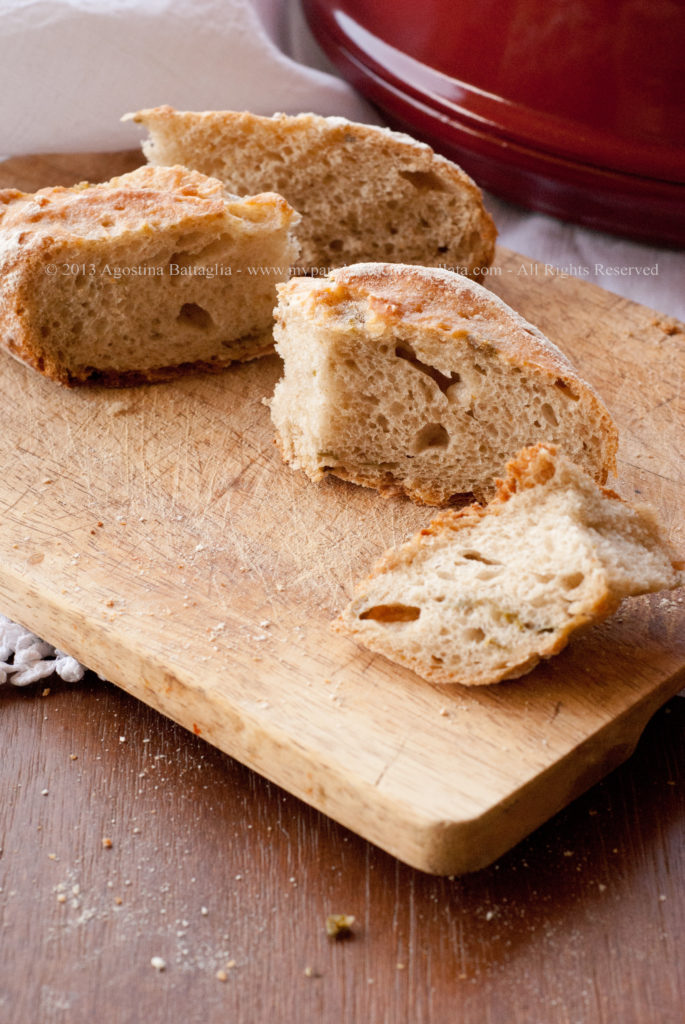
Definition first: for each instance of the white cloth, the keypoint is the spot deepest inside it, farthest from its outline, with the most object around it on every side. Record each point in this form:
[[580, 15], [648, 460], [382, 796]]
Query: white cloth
[[69, 69]]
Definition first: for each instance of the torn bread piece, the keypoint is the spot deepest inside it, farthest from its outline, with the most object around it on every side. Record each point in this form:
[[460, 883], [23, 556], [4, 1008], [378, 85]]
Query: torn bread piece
[[482, 594], [415, 380], [364, 192], [144, 277]]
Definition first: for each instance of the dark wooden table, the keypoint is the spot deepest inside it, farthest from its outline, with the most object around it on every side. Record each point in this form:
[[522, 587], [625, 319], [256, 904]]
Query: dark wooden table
[[213, 869], [124, 838]]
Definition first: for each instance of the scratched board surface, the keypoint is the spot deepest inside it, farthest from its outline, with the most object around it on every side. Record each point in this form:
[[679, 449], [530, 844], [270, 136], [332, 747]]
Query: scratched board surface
[[155, 534]]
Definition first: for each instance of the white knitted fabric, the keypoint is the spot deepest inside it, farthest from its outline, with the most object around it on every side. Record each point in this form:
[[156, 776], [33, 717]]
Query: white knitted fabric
[[24, 658]]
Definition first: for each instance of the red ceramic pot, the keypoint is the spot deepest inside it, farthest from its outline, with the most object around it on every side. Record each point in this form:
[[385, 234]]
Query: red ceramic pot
[[576, 109]]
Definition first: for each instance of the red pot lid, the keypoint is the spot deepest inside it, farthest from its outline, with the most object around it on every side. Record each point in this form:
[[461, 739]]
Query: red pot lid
[[576, 109]]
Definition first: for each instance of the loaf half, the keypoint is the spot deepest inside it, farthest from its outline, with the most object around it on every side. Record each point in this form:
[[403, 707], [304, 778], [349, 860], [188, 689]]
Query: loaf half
[[141, 278], [365, 193], [418, 381], [483, 594]]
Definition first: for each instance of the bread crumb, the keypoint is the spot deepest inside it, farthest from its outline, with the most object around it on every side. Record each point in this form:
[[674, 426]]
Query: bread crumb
[[400, 967], [221, 975], [61, 897], [107, 843], [73, 757], [339, 925], [46, 692], [204, 911], [444, 712], [44, 792], [230, 965], [158, 963]]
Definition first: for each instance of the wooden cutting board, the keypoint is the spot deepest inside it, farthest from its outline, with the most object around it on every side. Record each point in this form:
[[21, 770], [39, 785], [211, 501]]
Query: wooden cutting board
[[155, 534]]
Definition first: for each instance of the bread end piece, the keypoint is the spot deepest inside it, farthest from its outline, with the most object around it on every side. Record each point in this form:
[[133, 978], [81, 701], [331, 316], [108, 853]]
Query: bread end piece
[[484, 593], [141, 278]]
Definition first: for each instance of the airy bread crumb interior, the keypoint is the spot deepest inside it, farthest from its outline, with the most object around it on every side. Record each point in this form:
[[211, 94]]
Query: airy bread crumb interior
[[483, 594]]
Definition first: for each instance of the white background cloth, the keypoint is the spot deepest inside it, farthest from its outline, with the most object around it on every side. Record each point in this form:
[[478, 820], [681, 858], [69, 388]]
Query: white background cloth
[[70, 69]]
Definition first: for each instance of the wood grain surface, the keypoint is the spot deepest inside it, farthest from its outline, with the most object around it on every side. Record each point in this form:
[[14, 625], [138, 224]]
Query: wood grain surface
[[582, 923], [155, 534]]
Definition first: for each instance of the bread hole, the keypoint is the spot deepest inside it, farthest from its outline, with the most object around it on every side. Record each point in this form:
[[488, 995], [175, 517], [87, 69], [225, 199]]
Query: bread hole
[[436, 660], [192, 315], [488, 573], [475, 556], [572, 580], [106, 222], [391, 613], [44, 330], [566, 391], [336, 245], [442, 249], [474, 635], [423, 180], [382, 422], [536, 423], [433, 435], [549, 414], [405, 351], [480, 370]]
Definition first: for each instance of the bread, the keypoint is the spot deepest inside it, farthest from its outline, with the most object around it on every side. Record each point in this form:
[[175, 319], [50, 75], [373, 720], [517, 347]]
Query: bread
[[365, 193], [140, 278], [418, 381], [483, 594]]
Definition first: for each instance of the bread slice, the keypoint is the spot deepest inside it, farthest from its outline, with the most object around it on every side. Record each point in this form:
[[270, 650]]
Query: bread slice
[[365, 193], [138, 279], [483, 594], [418, 381]]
